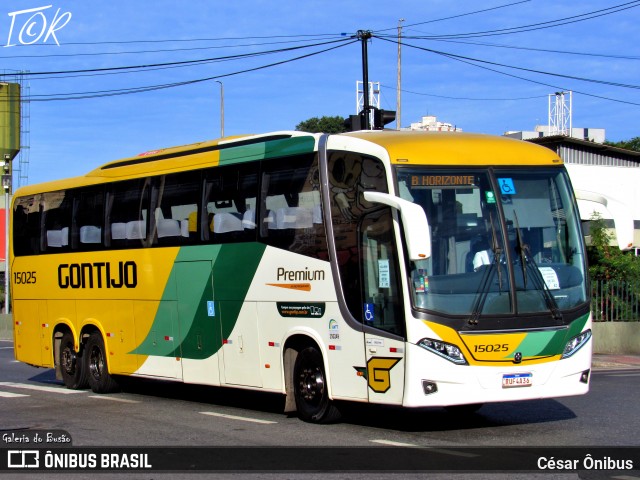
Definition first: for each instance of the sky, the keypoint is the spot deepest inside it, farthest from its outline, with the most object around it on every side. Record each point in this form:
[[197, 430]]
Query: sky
[[93, 69]]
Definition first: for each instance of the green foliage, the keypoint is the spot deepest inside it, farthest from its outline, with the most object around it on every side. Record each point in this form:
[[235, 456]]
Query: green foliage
[[633, 144], [615, 276], [322, 125], [608, 262]]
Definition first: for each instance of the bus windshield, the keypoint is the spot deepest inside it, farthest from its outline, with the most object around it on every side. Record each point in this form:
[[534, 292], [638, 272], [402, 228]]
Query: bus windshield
[[504, 241]]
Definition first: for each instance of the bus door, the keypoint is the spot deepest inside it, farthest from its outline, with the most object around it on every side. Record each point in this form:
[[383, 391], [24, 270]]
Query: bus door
[[198, 322], [182, 334], [238, 319], [382, 309], [240, 350]]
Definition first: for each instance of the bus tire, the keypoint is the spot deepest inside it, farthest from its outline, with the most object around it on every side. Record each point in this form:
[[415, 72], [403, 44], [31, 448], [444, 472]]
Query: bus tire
[[310, 388], [72, 367], [100, 380]]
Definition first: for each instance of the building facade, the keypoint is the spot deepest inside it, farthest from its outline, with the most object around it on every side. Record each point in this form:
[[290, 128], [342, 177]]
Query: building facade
[[606, 180], [430, 123]]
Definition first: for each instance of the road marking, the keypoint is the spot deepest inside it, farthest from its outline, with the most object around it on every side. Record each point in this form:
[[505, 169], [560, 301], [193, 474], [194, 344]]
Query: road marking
[[28, 386], [115, 399], [625, 375], [444, 451], [12, 395], [625, 477], [394, 444], [6, 348], [455, 453], [234, 417]]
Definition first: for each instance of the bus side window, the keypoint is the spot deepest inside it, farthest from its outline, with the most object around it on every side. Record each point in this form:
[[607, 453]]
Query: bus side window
[[350, 174], [88, 218], [381, 289], [57, 219], [292, 218], [126, 217], [230, 203], [26, 226], [176, 209]]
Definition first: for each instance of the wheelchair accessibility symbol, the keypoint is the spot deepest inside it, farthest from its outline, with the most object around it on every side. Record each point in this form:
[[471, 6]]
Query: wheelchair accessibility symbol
[[507, 186], [368, 313]]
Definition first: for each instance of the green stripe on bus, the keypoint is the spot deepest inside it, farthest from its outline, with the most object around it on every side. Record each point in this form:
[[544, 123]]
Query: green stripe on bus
[[544, 344], [260, 151], [221, 274]]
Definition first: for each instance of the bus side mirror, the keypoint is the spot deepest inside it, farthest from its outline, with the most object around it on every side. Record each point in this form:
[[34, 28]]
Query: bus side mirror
[[416, 226]]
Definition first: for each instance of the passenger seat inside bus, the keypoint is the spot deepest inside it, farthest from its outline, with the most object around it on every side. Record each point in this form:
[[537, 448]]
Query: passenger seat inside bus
[[90, 234], [249, 219], [58, 238], [293, 217], [226, 222], [168, 227]]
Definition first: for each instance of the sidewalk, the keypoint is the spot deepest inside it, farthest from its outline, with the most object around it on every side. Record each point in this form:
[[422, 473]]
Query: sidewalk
[[606, 360]]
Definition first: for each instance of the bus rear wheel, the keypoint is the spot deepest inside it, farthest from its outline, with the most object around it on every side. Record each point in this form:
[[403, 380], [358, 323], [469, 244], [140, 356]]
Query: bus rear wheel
[[310, 388], [100, 380], [74, 373]]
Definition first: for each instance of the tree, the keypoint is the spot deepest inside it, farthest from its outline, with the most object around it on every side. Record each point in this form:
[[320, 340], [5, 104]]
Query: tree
[[608, 262], [615, 275], [322, 125], [633, 144]]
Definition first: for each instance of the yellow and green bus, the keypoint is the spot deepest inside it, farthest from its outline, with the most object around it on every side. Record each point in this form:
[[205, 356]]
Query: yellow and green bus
[[413, 269]]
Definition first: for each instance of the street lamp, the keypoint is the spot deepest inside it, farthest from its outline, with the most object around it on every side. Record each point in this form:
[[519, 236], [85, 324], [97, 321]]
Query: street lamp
[[221, 108], [6, 184]]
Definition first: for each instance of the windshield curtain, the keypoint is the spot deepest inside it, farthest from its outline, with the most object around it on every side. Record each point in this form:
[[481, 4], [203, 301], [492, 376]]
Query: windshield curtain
[[503, 241]]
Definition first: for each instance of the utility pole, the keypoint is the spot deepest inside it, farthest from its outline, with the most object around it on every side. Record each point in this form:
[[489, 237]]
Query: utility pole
[[364, 37], [399, 91], [221, 108]]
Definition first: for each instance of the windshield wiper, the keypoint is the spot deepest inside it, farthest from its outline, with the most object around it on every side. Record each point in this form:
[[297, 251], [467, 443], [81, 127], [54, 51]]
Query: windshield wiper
[[487, 278], [539, 283], [497, 251]]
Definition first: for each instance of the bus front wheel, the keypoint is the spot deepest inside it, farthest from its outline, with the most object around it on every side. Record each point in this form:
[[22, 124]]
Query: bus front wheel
[[74, 373], [100, 380], [310, 388]]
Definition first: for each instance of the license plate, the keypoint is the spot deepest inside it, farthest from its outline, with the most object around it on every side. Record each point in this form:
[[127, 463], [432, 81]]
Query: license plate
[[513, 380]]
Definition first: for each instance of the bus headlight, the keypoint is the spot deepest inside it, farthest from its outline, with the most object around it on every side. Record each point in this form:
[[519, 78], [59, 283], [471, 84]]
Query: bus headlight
[[576, 343], [444, 349]]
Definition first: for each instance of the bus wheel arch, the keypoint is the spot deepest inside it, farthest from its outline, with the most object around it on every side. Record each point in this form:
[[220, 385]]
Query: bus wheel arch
[[96, 363], [306, 382]]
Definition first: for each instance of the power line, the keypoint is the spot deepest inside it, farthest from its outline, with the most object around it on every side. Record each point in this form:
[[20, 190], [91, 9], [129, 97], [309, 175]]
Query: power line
[[466, 98], [178, 40], [149, 88], [457, 16], [184, 62], [537, 26], [544, 50], [541, 72], [555, 87], [165, 50]]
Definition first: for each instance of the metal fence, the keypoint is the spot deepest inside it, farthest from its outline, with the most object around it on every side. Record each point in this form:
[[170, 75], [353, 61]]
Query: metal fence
[[615, 301]]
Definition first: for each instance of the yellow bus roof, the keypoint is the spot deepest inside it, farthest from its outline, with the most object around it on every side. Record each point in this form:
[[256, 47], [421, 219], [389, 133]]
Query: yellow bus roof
[[403, 147], [456, 148]]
